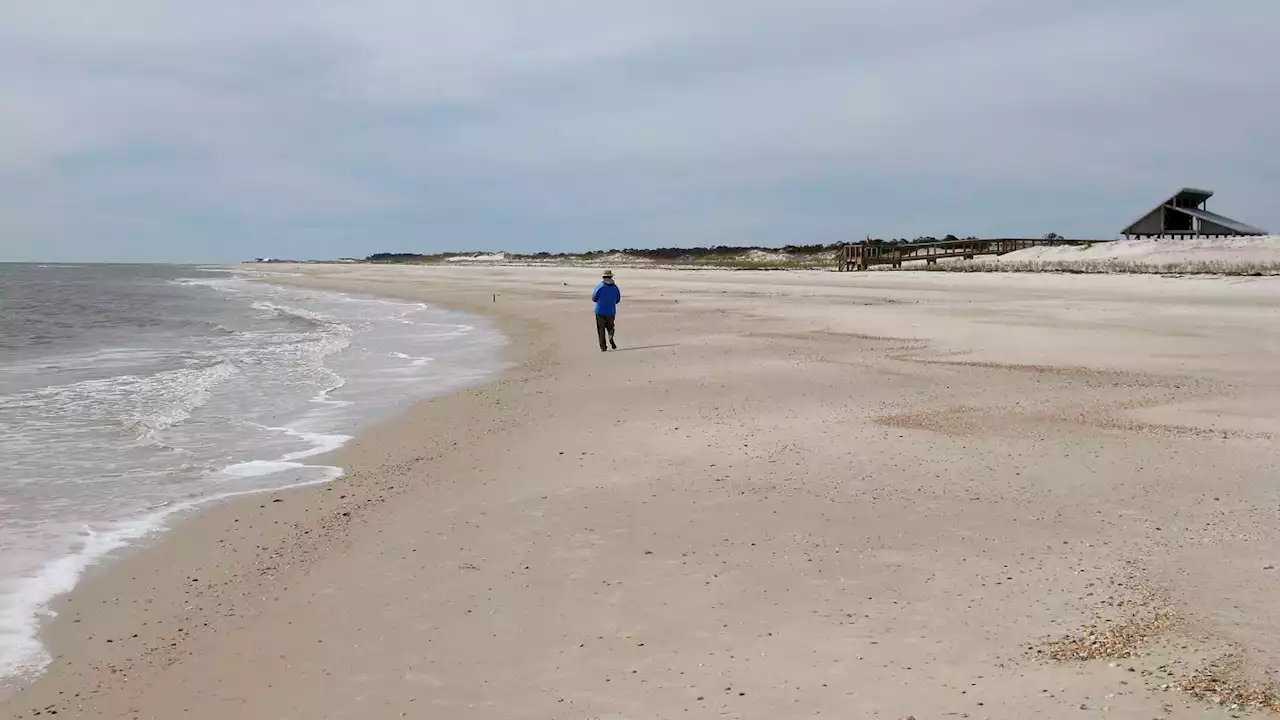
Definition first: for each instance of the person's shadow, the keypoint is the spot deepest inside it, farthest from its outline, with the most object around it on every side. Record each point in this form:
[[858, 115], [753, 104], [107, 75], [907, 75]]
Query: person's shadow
[[646, 347]]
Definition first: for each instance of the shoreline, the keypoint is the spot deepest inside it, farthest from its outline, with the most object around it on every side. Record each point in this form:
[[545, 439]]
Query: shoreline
[[135, 535], [520, 529]]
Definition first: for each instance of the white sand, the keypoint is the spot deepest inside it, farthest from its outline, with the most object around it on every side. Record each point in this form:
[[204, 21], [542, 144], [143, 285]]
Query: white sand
[[1226, 255]]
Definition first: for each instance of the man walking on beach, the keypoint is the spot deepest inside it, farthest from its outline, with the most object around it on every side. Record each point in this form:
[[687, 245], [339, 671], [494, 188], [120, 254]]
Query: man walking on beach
[[606, 296]]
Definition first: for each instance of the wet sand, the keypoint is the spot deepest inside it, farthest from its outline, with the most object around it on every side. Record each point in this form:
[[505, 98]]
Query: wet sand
[[791, 495]]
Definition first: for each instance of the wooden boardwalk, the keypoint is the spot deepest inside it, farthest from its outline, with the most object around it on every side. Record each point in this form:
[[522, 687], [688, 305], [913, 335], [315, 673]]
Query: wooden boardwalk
[[860, 256]]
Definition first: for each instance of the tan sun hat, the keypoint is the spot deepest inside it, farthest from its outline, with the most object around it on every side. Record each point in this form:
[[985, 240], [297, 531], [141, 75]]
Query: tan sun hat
[[608, 273]]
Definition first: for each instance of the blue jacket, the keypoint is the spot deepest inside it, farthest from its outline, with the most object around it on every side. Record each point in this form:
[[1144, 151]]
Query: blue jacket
[[606, 297]]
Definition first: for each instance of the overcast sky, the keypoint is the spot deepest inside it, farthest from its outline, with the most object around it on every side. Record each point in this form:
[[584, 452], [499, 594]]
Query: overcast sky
[[153, 130]]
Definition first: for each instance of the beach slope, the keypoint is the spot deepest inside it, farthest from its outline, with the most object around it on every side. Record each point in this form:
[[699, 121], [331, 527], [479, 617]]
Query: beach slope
[[789, 495]]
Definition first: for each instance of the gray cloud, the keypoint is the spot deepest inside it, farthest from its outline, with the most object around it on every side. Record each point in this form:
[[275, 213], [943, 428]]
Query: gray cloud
[[142, 131]]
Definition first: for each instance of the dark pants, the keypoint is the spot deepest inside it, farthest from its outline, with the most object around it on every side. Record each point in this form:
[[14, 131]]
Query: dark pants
[[604, 324]]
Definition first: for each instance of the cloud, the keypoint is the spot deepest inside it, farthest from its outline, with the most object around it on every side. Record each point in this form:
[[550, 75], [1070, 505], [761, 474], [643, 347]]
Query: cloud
[[145, 131]]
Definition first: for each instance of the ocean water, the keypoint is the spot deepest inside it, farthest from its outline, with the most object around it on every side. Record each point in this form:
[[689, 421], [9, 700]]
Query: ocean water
[[130, 394]]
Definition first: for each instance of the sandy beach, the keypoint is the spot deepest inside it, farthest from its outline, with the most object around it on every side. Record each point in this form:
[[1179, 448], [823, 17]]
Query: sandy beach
[[790, 495]]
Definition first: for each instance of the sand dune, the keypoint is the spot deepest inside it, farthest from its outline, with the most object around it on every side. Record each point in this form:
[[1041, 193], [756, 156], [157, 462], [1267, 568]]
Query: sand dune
[[1241, 255]]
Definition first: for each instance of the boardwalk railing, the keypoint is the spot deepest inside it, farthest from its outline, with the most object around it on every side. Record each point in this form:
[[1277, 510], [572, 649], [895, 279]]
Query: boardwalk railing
[[860, 256]]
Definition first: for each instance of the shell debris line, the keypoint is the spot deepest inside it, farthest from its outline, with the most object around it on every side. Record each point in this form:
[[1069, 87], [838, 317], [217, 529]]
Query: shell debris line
[[1144, 615], [1225, 682], [1142, 621], [1112, 639]]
